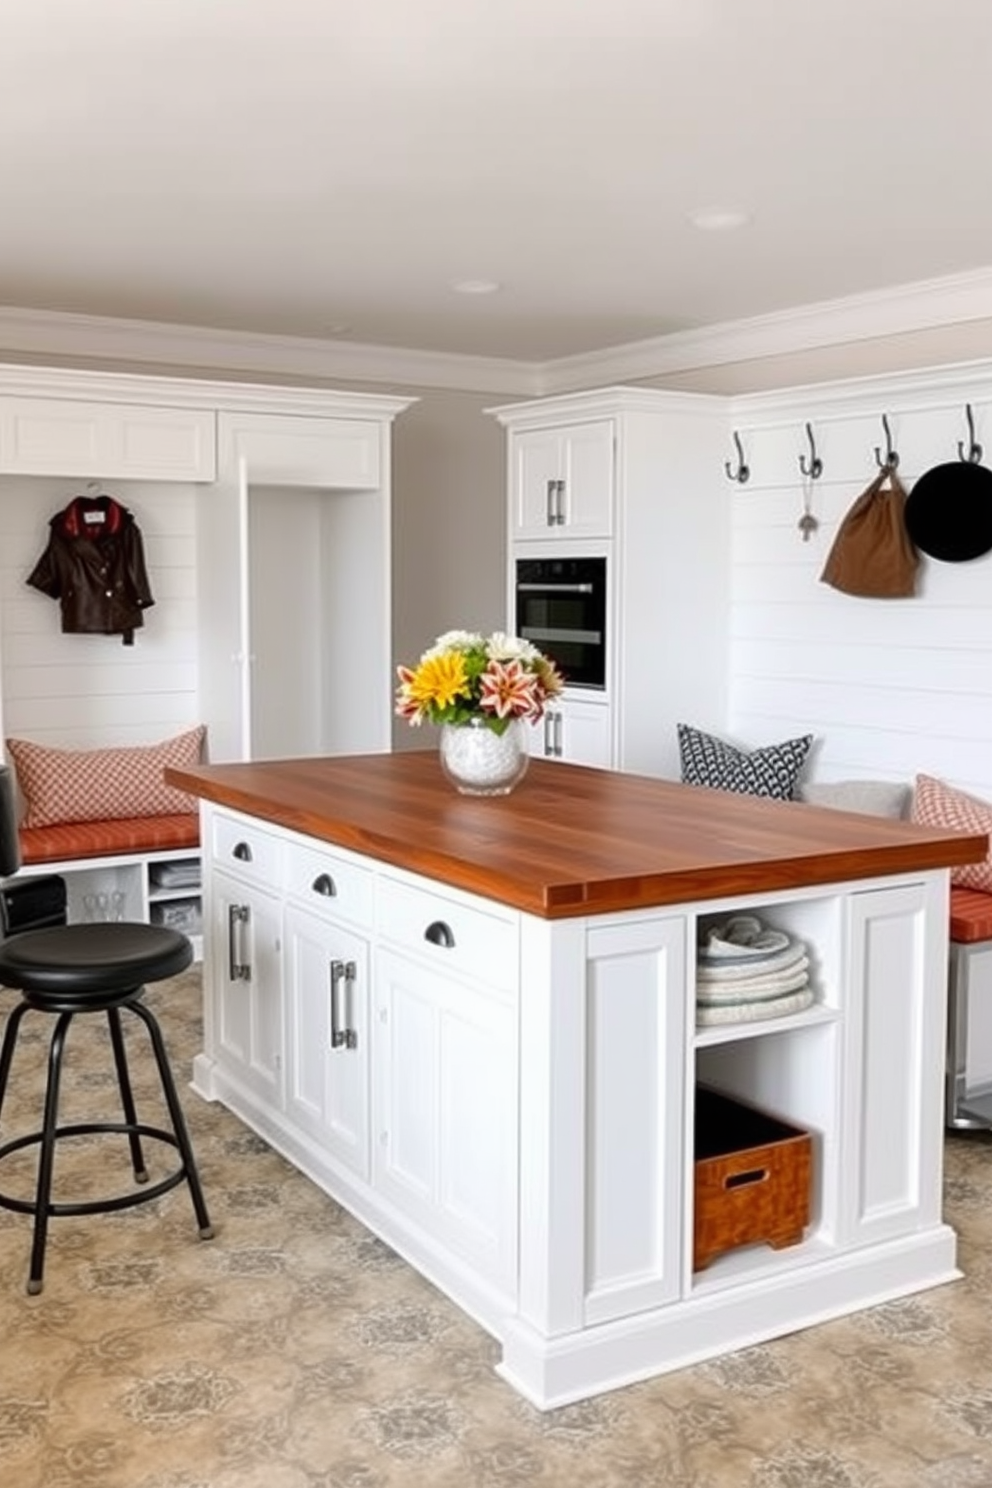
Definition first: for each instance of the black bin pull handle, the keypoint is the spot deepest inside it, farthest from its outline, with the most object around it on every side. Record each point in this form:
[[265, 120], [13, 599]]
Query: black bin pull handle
[[242, 852], [324, 884], [440, 934]]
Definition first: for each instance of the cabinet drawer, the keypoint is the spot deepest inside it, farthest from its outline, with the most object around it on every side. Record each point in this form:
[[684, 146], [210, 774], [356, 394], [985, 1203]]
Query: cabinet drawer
[[463, 939], [246, 850], [329, 884]]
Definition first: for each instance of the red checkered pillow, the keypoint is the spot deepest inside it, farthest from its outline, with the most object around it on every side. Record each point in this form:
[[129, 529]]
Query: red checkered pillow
[[79, 785], [938, 805]]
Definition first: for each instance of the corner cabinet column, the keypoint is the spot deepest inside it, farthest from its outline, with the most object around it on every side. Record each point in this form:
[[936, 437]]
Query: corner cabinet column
[[602, 1052], [632, 475], [893, 1128]]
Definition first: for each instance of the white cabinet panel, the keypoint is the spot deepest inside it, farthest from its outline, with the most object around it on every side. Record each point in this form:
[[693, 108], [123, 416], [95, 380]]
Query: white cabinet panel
[[287, 450], [246, 981], [893, 1110], [112, 441], [635, 1027], [446, 1111], [327, 1036]]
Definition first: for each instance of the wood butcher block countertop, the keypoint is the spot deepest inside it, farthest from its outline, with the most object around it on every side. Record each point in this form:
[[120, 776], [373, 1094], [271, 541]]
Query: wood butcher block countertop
[[570, 840]]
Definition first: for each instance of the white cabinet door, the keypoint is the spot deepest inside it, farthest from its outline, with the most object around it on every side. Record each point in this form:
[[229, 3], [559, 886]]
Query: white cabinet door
[[327, 1036], [634, 1096], [245, 986], [577, 733], [563, 481], [446, 1110], [892, 1124]]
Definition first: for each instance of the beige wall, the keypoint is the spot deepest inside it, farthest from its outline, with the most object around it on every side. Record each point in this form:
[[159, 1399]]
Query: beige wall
[[449, 526]]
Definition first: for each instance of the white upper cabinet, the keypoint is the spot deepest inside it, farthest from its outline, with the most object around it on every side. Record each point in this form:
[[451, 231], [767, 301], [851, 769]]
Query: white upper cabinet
[[563, 481], [287, 450], [109, 441]]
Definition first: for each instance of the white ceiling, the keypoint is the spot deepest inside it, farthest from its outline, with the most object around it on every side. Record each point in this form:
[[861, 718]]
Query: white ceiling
[[328, 168]]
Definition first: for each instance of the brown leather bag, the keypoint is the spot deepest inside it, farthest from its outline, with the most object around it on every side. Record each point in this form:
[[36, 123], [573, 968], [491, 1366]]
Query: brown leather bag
[[872, 554]]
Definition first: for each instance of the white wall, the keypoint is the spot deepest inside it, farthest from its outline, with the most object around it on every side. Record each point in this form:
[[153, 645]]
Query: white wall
[[86, 691], [888, 687]]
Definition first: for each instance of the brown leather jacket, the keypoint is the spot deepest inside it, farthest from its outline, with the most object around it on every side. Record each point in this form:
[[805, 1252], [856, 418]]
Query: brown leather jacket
[[94, 565]]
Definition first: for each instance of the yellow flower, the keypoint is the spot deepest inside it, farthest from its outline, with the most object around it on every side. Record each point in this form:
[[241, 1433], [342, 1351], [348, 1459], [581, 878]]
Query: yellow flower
[[438, 680]]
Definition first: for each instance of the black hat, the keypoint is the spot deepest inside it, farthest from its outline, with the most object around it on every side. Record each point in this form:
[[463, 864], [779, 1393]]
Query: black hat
[[948, 512]]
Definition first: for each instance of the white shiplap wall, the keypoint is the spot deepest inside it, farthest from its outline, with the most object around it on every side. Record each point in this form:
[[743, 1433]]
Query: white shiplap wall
[[86, 691], [888, 687]]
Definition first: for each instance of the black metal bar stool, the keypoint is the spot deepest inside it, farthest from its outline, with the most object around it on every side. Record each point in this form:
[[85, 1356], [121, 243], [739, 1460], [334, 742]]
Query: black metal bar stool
[[67, 970]]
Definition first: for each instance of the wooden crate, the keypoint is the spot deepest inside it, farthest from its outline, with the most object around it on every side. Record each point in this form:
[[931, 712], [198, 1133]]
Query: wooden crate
[[753, 1176]]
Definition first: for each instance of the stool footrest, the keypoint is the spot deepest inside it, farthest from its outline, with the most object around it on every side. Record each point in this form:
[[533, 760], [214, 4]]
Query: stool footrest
[[95, 1206]]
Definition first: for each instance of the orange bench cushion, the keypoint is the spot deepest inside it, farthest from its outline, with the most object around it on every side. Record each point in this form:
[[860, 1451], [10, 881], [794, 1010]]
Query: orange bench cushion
[[103, 839], [971, 915]]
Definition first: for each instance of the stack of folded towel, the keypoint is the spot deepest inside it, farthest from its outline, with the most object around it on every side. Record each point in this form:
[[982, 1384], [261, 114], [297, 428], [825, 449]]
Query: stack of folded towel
[[747, 971]]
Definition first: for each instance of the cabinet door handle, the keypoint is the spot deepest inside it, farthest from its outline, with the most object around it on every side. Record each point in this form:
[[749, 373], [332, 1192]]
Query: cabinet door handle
[[551, 503], [342, 1036], [238, 968], [549, 732], [440, 934], [559, 729], [559, 503], [242, 852], [325, 885]]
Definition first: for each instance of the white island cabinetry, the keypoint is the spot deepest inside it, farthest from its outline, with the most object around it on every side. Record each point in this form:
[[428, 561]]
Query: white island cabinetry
[[508, 1099]]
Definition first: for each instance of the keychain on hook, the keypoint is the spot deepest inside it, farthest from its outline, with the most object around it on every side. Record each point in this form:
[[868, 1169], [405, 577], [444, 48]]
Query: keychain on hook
[[810, 470]]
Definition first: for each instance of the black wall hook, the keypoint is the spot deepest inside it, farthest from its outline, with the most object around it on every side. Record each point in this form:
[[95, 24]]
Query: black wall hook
[[742, 473], [891, 460], [815, 467], [974, 452]]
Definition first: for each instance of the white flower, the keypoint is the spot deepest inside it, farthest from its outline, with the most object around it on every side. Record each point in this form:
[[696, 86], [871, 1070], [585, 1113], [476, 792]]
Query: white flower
[[502, 647], [455, 640]]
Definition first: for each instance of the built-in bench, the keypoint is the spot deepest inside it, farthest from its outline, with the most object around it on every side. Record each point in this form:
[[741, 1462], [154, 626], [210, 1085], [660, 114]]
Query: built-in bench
[[126, 844], [146, 867], [68, 843]]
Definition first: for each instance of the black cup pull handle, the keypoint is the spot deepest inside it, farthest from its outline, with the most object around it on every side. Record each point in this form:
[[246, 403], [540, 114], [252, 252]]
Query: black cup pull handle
[[324, 885], [439, 934], [242, 852]]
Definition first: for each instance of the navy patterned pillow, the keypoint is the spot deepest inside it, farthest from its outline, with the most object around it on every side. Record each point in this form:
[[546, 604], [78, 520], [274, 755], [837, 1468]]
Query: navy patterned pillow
[[770, 771]]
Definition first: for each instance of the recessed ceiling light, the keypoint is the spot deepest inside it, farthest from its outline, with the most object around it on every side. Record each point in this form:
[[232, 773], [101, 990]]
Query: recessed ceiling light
[[476, 286], [718, 219]]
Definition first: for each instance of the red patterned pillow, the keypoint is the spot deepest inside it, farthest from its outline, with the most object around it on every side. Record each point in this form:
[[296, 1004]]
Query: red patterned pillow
[[79, 785], [938, 805]]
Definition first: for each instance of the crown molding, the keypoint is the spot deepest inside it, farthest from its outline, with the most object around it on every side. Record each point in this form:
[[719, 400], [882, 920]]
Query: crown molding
[[150, 343], [950, 386], [888, 312]]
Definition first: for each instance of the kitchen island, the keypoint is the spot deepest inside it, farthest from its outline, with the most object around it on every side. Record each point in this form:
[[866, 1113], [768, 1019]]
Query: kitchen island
[[472, 1021]]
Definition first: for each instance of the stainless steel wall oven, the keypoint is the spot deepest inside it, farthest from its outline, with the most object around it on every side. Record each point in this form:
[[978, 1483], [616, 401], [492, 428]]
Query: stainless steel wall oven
[[561, 608]]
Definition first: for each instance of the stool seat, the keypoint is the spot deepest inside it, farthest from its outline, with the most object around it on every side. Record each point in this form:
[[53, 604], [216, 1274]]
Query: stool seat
[[79, 962]]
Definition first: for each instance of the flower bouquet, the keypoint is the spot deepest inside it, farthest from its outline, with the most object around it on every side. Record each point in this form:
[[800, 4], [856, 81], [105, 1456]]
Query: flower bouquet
[[481, 689]]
